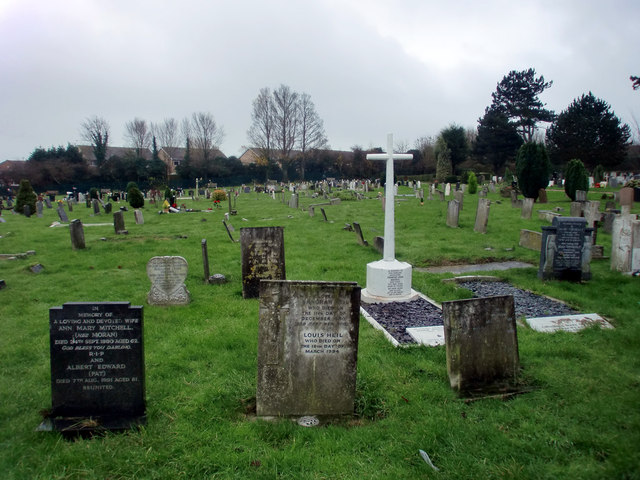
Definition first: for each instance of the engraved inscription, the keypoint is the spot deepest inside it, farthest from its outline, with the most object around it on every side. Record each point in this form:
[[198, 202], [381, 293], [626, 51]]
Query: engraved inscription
[[395, 282]]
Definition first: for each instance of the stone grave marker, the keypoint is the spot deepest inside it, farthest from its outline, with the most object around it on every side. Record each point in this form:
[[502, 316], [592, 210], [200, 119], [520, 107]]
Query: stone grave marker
[[39, 208], [118, 222], [482, 344], [441, 195], [527, 208], [359, 237], [447, 190], [205, 260], [625, 234], [576, 209], [262, 257], [228, 228], [139, 217], [293, 201], [542, 196], [26, 210], [459, 196], [96, 206], [324, 214], [626, 196], [307, 348], [567, 323], [47, 202], [167, 275], [482, 215], [581, 196], [565, 253], [69, 205], [312, 211], [530, 239], [108, 208], [453, 213], [62, 214], [378, 244], [97, 367], [77, 234]]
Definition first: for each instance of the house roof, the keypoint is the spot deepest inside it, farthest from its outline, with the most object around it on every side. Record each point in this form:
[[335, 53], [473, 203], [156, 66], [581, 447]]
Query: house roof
[[87, 152]]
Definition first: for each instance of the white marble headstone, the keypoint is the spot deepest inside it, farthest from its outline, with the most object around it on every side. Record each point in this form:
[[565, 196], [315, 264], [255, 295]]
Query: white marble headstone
[[167, 275]]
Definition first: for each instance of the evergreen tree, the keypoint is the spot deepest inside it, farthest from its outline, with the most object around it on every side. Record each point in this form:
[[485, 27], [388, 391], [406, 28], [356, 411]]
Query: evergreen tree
[[590, 131], [443, 160], [498, 141], [25, 196], [576, 177], [473, 183], [456, 139], [532, 169], [135, 197]]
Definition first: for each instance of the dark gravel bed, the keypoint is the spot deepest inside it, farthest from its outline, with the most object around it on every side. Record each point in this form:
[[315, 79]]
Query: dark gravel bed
[[527, 304], [396, 317]]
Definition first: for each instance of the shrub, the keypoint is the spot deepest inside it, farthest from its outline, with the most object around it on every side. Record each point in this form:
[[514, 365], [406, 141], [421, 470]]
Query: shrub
[[25, 196], [218, 195], [131, 185], [532, 169], [508, 176], [93, 193], [135, 197], [598, 174], [473, 183], [576, 177]]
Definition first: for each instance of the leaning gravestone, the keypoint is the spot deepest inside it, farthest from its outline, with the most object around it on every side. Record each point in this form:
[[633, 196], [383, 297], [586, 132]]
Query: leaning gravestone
[[77, 234], [307, 348], [62, 214], [167, 275], [47, 202], [139, 218], [482, 344], [96, 206], [482, 215], [39, 208], [565, 253], [459, 196], [97, 367], [262, 257], [118, 222], [359, 235]]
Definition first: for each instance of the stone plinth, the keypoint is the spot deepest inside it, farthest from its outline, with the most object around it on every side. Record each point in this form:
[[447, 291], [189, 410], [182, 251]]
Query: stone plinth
[[388, 281]]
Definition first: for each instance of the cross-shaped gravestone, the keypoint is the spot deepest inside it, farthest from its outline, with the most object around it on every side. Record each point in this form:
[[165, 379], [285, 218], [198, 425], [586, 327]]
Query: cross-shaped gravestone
[[388, 279]]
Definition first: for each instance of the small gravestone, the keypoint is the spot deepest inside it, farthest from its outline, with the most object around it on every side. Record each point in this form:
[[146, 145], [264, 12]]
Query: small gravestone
[[482, 344], [229, 229], [378, 244], [96, 206], [542, 196], [108, 208], [530, 239], [312, 211], [482, 215], [447, 190], [307, 348], [262, 257], [581, 196], [118, 222], [247, 189], [39, 208], [576, 209], [459, 196], [26, 210], [527, 208], [139, 218], [453, 213], [97, 367], [565, 252], [324, 214], [47, 202], [37, 268], [205, 260], [167, 275], [69, 205], [514, 198], [62, 214], [359, 237], [77, 234], [626, 196], [441, 195], [293, 200]]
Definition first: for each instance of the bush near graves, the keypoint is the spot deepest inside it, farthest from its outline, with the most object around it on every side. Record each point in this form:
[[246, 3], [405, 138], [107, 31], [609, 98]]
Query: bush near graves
[[473, 183], [532, 169], [25, 196], [131, 185], [598, 174], [576, 177], [218, 195], [93, 193], [136, 199]]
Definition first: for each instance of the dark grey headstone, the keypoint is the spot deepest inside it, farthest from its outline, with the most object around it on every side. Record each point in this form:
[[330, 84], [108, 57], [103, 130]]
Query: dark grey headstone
[[62, 214], [26, 209], [359, 236], [118, 222], [3, 284], [228, 229], [77, 234], [47, 202], [378, 243], [97, 366], [69, 205], [108, 207], [565, 253], [262, 257], [482, 344], [307, 348], [96, 206], [324, 214], [205, 259], [39, 208]]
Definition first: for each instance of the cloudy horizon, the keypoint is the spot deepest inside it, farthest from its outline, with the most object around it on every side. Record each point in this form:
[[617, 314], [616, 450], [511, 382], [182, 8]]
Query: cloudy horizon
[[371, 67]]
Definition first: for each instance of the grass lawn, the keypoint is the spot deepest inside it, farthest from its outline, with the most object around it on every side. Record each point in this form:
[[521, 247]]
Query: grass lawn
[[580, 420]]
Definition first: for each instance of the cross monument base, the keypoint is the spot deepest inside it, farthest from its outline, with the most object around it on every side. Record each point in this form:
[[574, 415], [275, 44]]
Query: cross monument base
[[388, 281]]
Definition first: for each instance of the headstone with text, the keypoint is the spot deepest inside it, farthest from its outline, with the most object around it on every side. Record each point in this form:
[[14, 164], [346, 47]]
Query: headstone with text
[[262, 257], [167, 275], [565, 252], [307, 348], [97, 367]]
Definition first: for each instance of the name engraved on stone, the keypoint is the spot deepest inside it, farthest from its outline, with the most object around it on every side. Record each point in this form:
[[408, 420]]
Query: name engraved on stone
[[395, 282], [97, 361], [167, 275], [262, 257]]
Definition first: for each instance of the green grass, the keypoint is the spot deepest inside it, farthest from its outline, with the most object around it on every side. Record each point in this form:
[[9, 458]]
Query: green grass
[[580, 420]]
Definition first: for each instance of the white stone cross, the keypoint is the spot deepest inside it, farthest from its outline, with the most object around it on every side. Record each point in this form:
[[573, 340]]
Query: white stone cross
[[389, 253]]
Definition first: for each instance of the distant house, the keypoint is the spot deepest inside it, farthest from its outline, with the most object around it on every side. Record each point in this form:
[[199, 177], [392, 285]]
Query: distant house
[[10, 172], [174, 156], [250, 156], [89, 157]]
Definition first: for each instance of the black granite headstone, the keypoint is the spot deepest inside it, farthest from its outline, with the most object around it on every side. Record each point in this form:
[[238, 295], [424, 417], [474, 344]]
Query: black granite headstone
[[97, 367], [565, 253]]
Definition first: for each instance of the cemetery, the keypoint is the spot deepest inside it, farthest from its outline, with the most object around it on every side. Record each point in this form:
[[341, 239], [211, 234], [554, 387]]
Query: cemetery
[[123, 357]]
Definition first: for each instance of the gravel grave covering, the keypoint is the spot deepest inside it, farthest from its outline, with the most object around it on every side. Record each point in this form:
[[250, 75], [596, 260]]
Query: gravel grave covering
[[396, 317]]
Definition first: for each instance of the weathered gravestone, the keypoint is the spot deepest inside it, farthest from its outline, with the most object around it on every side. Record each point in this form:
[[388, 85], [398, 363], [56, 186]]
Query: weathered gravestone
[[293, 200], [39, 208], [459, 196], [324, 214], [77, 234], [576, 209], [69, 205], [167, 275], [229, 228], [47, 202], [97, 367], [625, 235], [482, 344], [482, 215], [307, 348], [205, 260], [626, 196], [581, 196], [26, 210], [118, 222], [565, 253], [527, 208], [262, 257], [453, 213], [139, 218], [108, 208], [542, 196], [96, 206], [62, 214], [530, 239], [359, 237]]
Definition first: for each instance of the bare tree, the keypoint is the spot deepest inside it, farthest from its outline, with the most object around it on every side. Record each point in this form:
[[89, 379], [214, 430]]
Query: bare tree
[[168, 135], [311, 131], [95, 130], [286, 103], [206, 135], [261, 132], [138, 135]]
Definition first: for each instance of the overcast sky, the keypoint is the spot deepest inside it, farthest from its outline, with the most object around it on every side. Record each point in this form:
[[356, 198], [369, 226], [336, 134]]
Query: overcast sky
[[407, 67]]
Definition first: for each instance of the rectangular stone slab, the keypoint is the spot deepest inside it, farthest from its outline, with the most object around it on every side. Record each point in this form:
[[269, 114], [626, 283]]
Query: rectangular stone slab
[[567, 323], [307, 348]]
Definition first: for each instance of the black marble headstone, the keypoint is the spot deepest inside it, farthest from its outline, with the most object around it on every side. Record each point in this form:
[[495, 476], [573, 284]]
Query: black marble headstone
[[97, 367], [565, 253]]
